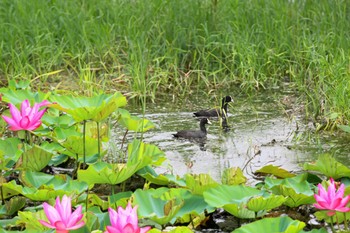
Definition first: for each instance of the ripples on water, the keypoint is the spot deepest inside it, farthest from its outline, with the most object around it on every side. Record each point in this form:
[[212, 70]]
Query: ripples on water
[[260, 134]]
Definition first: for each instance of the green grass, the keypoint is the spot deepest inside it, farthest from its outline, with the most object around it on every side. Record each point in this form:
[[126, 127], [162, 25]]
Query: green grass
[[147, 48]]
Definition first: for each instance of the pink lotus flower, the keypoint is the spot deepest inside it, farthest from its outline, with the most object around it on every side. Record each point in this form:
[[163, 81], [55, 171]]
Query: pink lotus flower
[[26, 119], [125, 221], [332, 199], [61, 217]]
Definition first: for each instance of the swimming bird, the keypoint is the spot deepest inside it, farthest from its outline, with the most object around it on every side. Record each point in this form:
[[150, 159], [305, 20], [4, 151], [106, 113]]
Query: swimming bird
[[215, 112], [194, 134]]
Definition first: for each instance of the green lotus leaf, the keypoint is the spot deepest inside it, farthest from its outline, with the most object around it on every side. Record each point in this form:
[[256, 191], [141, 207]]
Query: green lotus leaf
[[9, 152], [298, 183], [339, 216], [61, 134], [54, 118], [198, 183], [10, 189], [328, 166], [296, 189], [257, 204], [268, 225], [276, 171], [240, 211], [233, 176], [75, 147], [137, 150], [233, 194], [41, 186], [152, 204], [193, 204], [119, 198], [162, 179], [140, 155], [35, 159], [14, 204], [30, 220], [95, 200], [105, 173], [96, 108], [133, 123], [16, 97]]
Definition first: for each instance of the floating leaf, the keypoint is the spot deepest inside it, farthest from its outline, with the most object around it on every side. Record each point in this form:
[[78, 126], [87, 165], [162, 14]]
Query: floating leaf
[[268, 225], [327, 165], [233, 176], [276, 171]]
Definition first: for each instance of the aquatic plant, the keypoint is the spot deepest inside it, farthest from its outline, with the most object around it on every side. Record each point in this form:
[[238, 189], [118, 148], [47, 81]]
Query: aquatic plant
[[42, 172], [61, 217], [125, 220], [29, 118], [333, 199]]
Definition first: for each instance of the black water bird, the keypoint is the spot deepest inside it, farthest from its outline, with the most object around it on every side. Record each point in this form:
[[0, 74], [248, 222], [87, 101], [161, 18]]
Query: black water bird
[[215, 112], [194, 134]]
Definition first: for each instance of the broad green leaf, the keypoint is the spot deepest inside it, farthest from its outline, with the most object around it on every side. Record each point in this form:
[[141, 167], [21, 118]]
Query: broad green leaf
[[75, 147], [339, 216], [10, 189], [257, 204], [328, 166], [276, 171], [269, 225], [34, 159], [41, 186], [240, 211], [162, 179], [151, 204], [14, 204], [198, 183], [30, 220], [96, 108], [234, 194], [296, 189], [133, 123], [105, 173], [137, 150], [119, 198], [233, 176], [16, 97], [54, 118], [9, 152]]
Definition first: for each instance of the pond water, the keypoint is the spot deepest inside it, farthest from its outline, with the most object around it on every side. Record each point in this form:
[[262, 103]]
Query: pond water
[[264, 129]]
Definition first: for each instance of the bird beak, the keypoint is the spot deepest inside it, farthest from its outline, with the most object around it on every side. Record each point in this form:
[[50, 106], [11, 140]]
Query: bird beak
[[209, 122]]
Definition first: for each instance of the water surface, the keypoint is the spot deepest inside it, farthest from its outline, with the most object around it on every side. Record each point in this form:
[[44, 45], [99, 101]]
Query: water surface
[[262, 131]]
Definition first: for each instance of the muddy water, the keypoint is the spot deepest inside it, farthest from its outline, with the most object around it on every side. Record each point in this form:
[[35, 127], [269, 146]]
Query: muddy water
[[263, 130]]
